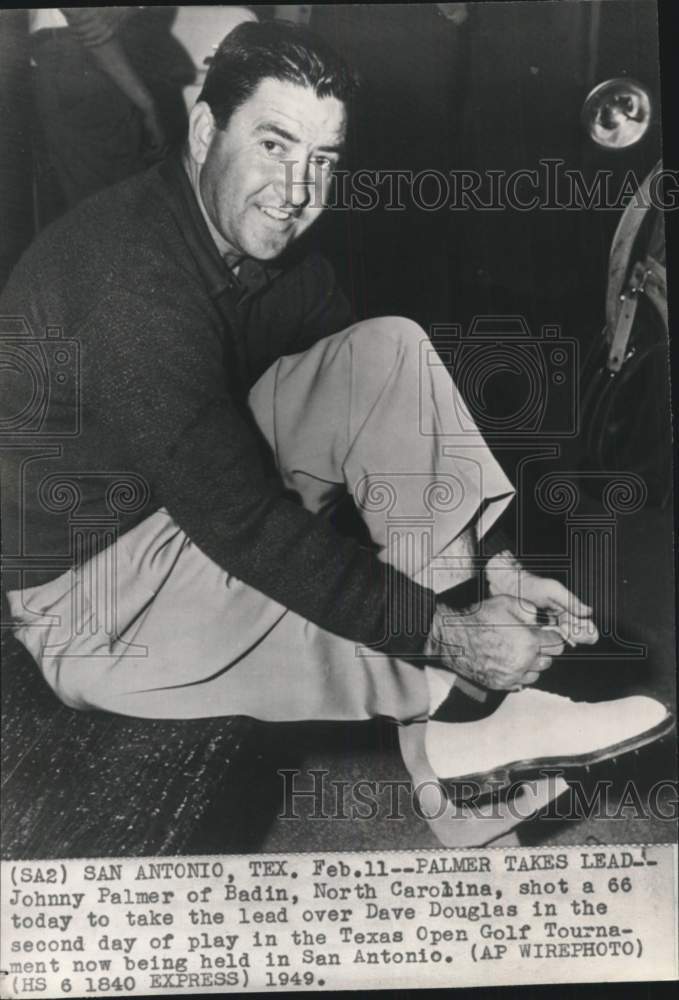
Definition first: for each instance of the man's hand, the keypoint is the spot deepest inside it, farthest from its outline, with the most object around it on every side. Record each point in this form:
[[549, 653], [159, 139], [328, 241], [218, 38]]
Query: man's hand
[[497, 644], [565, 612]]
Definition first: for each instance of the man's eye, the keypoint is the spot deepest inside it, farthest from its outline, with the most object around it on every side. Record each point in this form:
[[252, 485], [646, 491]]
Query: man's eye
[[272, 147], [323, 162]]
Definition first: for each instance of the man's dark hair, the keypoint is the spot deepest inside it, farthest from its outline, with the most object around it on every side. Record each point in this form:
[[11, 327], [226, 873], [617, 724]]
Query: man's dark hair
[[278, 49]]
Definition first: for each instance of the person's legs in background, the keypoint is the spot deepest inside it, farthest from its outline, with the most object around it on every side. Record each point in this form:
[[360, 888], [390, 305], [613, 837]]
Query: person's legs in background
[[91, 133]]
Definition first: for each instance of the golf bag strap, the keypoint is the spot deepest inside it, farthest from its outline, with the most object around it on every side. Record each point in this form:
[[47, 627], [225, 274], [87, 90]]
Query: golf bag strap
[[623, 243]]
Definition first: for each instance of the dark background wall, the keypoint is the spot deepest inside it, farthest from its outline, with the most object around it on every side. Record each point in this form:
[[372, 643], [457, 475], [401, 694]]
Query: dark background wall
[[499, 92], [16, 227]]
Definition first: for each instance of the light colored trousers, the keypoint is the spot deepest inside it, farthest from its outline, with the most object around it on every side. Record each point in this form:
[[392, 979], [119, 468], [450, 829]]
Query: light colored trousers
[[152, 627]]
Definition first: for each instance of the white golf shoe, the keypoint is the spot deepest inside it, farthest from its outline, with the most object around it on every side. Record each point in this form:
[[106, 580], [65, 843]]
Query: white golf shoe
[[533, 729]]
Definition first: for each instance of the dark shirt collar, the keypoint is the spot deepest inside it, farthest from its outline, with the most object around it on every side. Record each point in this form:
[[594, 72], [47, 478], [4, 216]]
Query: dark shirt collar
[[252, 274]]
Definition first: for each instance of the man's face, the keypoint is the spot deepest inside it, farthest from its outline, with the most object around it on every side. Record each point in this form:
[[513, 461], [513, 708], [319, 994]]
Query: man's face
[[264, 179]]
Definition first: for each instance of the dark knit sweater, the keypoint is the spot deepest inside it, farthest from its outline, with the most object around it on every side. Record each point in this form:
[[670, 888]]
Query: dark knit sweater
[[169, 343]]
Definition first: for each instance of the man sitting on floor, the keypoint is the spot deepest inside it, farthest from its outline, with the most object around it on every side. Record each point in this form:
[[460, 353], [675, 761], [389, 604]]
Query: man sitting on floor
[[227, 401]]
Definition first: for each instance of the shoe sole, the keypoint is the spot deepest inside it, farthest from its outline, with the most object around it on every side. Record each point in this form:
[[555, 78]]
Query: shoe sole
[[508, 774]]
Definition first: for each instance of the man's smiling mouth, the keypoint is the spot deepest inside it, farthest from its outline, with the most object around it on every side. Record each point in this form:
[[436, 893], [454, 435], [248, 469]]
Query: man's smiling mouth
[[278, 214]]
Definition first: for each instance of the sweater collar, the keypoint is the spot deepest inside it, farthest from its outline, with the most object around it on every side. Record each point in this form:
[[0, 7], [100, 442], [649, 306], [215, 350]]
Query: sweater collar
[[219, 277]]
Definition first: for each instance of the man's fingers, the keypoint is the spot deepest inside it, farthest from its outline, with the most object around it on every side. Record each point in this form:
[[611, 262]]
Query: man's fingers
[[572, 629], [559, 597], [583, 631], [551, 642], [576, 630], [525, 611]]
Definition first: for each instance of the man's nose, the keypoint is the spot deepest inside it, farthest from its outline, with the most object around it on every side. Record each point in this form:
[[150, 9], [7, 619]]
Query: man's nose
[[295, 183]]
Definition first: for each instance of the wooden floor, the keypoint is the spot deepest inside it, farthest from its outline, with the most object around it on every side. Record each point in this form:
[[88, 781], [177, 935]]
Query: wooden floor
[[78, 784]]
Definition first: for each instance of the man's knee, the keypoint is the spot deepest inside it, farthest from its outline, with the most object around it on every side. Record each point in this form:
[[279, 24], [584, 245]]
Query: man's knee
[[396, 334]]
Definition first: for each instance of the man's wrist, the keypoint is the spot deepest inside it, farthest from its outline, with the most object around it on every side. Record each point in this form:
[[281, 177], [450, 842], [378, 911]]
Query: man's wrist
[[452, 607], [441, 638]]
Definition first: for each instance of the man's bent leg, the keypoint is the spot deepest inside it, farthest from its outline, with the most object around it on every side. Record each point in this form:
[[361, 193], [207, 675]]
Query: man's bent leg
[[372, 409], [180, 638], [190, 640]]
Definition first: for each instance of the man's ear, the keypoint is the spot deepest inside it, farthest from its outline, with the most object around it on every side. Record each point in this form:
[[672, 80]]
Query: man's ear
[[201, 130]]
